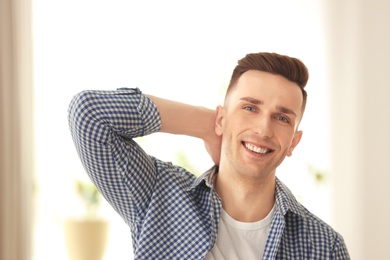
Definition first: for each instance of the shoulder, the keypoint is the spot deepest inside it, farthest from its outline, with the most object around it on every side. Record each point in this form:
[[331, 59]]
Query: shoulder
[[322, 238], [317, 229], [294, 211], [305, 228]]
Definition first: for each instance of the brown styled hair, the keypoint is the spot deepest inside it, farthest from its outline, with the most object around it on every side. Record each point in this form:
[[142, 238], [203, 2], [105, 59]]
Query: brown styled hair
[[288, 67]]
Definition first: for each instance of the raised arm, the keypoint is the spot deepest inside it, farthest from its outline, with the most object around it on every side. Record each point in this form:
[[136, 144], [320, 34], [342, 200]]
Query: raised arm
[[103, 125]]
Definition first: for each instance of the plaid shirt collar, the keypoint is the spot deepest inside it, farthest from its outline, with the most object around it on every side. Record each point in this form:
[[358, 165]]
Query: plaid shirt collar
[[207, 178], [284, 199]]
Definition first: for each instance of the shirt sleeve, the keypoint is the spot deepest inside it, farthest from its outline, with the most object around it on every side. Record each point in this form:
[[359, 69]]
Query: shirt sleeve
[[340, 251], [103, 125]]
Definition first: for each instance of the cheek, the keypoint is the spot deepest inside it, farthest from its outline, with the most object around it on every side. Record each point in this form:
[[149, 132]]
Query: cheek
[[233, 125]]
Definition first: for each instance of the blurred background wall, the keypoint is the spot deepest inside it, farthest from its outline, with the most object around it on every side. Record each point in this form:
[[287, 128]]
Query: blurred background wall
[[359, 69], [16, 129]]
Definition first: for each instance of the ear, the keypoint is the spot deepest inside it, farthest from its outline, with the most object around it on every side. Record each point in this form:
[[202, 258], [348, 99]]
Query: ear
[[295, 142], [219, 118]]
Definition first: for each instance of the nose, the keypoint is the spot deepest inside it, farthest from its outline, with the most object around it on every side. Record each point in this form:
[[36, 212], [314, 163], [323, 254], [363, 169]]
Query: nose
[[263, 127]]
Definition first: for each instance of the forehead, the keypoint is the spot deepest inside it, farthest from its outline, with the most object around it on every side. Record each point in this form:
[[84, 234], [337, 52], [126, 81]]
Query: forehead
[[271, 89]]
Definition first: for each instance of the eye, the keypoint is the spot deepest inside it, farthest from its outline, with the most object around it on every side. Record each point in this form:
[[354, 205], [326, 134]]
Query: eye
[[250, 108], [283, 119]]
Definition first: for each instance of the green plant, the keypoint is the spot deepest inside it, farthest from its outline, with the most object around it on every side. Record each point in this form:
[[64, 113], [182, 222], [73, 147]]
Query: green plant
[[319, 176], [90, 196], [183, 161]]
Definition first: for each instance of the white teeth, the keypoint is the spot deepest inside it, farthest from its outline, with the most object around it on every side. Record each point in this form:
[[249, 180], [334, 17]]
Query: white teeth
[[256, 149]]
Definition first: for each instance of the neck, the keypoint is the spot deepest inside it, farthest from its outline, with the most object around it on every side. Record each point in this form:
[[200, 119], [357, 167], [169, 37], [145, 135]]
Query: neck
[[246, 200]]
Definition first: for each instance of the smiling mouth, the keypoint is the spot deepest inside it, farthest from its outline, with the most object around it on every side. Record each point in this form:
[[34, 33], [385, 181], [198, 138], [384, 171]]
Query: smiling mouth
[[256, 149]]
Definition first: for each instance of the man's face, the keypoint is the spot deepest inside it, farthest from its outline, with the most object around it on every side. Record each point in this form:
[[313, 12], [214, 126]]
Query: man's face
[[258, 124]]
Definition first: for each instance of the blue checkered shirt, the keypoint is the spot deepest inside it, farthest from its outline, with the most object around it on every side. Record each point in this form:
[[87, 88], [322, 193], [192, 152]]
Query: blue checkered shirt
[[171, 213]]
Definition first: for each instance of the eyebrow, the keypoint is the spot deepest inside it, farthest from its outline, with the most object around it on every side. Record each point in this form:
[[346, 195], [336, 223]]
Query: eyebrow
[[281, 109], [252, 100], [286, 110]]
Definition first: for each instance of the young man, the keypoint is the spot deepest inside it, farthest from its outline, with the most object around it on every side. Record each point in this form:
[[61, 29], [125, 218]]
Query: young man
[[236, 210]]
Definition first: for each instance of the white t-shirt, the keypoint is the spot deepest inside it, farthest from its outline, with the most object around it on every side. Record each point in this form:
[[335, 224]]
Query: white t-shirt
[[240, 240]]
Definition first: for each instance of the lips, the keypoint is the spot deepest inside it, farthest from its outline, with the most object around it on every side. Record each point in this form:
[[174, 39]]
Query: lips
[[257, 149]]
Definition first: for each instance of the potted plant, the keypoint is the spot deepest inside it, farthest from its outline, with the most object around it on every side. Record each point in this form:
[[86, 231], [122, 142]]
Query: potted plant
[[86, 237]]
